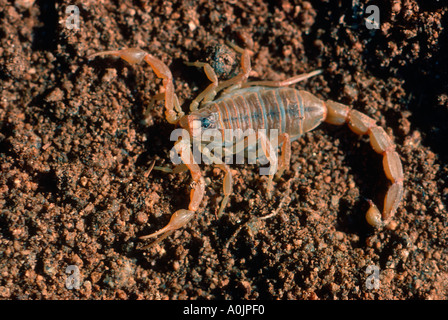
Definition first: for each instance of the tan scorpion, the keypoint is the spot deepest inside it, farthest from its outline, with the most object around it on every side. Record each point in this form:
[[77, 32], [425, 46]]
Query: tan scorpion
[[259, 105]]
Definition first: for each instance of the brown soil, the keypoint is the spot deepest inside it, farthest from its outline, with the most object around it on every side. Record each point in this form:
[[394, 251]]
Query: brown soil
[[75, 153]]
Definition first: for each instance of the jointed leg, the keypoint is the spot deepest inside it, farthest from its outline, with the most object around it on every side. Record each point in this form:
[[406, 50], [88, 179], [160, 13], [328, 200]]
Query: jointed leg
[[214, 88], [241, 77], [152, 102], [227, 187], [268, 151], [228, 181], [271, 155], [209, 93], [177, 169], [285, 158], [283, 83]]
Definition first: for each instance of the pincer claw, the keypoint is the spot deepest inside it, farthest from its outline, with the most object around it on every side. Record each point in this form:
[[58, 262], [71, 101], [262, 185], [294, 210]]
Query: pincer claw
[[179, 219]]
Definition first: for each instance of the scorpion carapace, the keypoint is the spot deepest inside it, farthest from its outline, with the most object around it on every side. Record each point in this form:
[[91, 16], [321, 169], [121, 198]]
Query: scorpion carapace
[[260, 105]]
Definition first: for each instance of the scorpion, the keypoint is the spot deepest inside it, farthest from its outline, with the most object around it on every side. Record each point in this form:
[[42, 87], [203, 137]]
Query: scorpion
[[258, 105]]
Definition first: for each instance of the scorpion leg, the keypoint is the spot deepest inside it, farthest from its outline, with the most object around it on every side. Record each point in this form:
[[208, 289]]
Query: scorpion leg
[[238, 80], [209, 93], [212, 90], [270, 154], [173, 111], [245, 65], [152, 102], [285, 158], [177, 169], [269, 151], [283, 83], [228, 181], [227, 187], [362, 124]]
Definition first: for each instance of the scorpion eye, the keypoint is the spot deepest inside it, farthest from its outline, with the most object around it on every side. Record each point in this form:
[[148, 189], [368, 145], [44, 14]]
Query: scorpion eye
[[205, 123]]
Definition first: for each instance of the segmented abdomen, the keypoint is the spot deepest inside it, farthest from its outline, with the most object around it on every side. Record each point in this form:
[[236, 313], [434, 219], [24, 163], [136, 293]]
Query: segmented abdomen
[[285, 109]]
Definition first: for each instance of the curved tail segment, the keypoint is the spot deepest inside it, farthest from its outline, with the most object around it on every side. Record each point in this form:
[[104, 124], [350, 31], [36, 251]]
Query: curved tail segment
[[361, 124]]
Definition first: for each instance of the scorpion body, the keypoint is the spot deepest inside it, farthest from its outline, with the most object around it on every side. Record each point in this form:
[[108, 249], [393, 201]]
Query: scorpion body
[[288, 110], [260, 105]]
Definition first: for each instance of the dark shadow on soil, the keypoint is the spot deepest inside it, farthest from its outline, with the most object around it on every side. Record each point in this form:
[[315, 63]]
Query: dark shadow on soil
[[426, 80], [426, 77], [45, 36]]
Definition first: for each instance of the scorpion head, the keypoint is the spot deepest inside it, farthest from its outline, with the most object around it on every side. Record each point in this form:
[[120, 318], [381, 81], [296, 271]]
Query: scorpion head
[[197, 122]]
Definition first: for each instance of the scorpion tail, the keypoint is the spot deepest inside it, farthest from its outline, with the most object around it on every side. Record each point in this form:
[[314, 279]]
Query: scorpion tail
[[361, 124]]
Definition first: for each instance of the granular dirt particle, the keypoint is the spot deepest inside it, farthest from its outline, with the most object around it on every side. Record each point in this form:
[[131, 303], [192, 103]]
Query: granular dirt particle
[[75, 152]]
